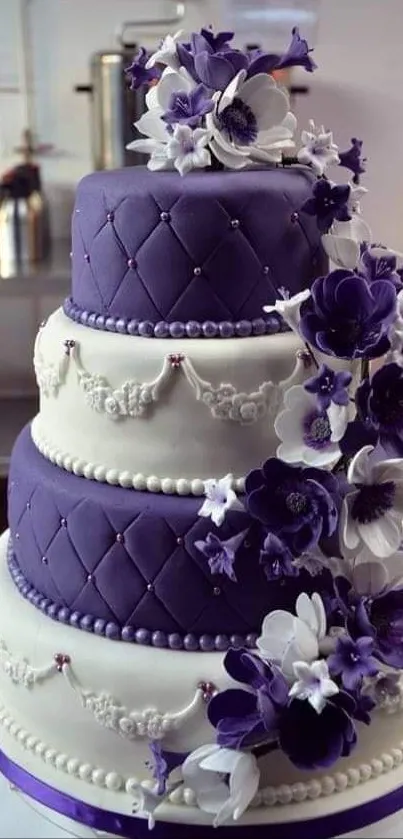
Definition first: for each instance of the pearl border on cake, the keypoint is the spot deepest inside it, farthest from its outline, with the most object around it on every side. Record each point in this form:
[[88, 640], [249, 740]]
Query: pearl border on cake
[[98, 626], [270, 325], [114, 477]]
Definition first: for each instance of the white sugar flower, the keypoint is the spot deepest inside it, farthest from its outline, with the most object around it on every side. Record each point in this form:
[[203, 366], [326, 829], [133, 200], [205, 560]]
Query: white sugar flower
[[342, 243], [354, 200], [156, 142], [220, 497], [313, 683], [309, 434], [187, 148], [166, 53], [372, 513], [250, 122], [318, 149], [145, 802], [289, 308], [203, 772], [287, 638]]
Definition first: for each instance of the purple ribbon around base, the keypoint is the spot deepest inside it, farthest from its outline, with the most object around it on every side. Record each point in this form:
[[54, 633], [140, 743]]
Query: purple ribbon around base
[[129, 827]]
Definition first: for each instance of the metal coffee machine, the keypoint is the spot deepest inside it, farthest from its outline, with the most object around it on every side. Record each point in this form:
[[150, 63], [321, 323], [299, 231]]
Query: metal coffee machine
[[114, 107]]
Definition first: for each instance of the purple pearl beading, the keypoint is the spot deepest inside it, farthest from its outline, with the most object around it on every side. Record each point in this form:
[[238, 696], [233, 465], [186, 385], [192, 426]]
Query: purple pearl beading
[[111, 630], [269, 325]]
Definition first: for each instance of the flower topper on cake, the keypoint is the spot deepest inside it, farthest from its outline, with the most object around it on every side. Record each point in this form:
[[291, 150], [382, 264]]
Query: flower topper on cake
[[209, 103]]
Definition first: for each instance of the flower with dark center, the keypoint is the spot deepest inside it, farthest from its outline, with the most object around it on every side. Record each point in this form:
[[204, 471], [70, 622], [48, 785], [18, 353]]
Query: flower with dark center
[[379, 616], [353, 660], [248, 718], [317, 430], [188, 108], [309, 433], [239, 122], [297, 505], [138, 73], [315, 741], [328, 203], [380, 407], [329, 386], [372, 502], [352, 160], [347, 318], [277, 559]]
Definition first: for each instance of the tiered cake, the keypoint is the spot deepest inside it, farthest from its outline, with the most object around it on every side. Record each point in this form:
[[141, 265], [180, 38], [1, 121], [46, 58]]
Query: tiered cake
[[184, 634]]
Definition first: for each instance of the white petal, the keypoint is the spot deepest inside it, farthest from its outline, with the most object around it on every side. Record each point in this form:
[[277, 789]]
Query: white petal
[[348, 528], [302, 671], [169, 84], [306, 612], [320, 613], [292, 653], [306, 641], [268, 103], [157, 163], [152, 97], [151, 124], [369, 578], [146, 146], [231, 161], [388, 470], [272, 647], [356, 229], [359, 471], [338, 417], [291, 454], [231, 91], [382, 536], [244, 783], [343, 252], [279, 621], [322, 457]]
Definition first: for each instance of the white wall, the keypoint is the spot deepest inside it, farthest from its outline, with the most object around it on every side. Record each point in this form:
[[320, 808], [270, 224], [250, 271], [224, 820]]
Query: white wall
[[358, 89]]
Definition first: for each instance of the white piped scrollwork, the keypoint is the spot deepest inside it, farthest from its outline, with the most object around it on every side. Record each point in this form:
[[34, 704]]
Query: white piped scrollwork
[[20, 671], [134, 399]]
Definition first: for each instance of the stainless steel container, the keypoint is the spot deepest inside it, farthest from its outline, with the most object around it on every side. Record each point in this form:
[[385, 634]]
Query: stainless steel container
[[114, 108], [24, 221]]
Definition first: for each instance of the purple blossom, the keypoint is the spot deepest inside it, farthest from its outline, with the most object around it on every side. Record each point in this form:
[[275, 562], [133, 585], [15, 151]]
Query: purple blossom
[[379, 617], [315, 741], [138, 73], [329, 386], [299, 505], [220, 555], [378, 265], [364, 705], [298, 54], [352, 160], [328, 203], [162, 764], [210, 60], [347, 318], [188, 108], [352, 660], [379, 404], [248, 718], [277, 559]]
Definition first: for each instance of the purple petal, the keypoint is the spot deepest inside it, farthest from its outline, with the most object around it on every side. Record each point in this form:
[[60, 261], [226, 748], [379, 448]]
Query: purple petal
[[214, 71]]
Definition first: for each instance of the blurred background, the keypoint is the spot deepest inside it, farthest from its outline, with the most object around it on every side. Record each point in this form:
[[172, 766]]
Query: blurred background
[[64, 111]]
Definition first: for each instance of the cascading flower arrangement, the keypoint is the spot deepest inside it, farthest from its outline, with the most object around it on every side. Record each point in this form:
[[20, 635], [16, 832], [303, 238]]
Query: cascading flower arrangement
[[330, 503]]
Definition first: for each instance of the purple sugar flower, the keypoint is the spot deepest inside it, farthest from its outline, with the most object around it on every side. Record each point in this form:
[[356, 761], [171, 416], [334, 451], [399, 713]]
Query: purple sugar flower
[[299, 505], [298, 54], [221, 554], [188, 108], [138, 72], [380, 408], [352, 660], [277, 559], [163, 763], [378, 263], [379, 617], [328, 203], [329, 386], [347, 318], [364, 705], [261, 62], [315, 741], [217, 42], [352, 160], [210, 60], [248, 718]]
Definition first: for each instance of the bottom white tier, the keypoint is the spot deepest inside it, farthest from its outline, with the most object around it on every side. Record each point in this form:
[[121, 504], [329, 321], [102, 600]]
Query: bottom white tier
[[78, 711]]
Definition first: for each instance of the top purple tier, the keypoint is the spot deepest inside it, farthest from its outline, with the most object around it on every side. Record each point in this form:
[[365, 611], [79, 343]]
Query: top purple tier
[[213, 246]]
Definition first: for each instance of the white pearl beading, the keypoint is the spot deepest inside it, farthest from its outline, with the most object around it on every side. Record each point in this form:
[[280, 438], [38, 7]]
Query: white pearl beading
[[181, 795], [114, 477], [134, 399]]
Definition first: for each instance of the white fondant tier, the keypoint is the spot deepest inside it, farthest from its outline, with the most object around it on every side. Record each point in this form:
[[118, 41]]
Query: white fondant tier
[[162, 415], [82, 721]]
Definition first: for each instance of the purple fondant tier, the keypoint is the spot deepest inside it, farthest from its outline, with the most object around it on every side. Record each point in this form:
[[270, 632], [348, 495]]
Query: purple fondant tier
[[212, 246], [128, 558]]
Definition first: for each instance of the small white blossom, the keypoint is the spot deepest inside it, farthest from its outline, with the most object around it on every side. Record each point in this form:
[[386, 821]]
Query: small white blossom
[[220, 497], [287, 638], [166, 53], [313, 683], [289, 308], [145, 802], [309, 434], [318, 149], [372, 513], [203, 772], [187, 148]]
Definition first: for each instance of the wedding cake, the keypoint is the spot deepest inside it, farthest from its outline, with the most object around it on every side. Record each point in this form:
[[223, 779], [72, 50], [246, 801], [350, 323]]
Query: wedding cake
[[201, 599]]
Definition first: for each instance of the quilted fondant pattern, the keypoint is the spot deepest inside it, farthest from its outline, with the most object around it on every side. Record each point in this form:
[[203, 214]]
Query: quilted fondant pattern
[[129, 557], [210, 246]]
